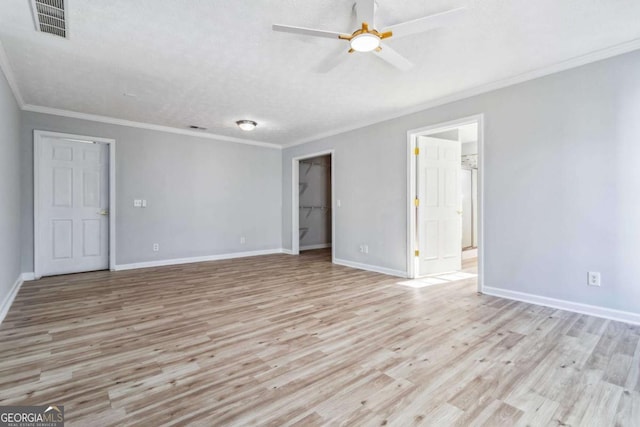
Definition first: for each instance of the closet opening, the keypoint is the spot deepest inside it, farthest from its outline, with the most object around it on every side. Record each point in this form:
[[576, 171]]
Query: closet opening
[[313, 206]]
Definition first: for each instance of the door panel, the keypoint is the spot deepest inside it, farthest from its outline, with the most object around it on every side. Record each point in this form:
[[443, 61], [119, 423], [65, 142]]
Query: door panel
[[62, 238], [72, 202], [62, 187], [439, 222]]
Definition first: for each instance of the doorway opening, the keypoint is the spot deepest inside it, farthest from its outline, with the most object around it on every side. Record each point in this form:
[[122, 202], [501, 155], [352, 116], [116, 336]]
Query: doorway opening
[[445, 202], [313, 215], [74, 203]]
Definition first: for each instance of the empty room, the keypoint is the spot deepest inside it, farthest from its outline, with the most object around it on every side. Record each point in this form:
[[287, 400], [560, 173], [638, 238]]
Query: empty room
[[339, 212]]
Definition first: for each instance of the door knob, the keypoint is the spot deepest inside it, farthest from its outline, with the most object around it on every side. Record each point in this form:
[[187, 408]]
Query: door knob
[[103, 212], [459, 212]]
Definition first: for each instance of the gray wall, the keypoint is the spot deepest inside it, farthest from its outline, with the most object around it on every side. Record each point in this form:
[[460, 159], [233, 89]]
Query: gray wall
[[202, 194], [561, 184], [10, 217]]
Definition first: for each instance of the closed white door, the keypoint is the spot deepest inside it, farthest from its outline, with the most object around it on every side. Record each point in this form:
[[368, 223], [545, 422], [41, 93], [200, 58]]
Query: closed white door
[[72, 206], [439, 212]]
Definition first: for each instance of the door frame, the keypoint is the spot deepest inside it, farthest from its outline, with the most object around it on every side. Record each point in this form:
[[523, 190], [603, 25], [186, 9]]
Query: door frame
[[295, 197], [412, 135], [38, 135]]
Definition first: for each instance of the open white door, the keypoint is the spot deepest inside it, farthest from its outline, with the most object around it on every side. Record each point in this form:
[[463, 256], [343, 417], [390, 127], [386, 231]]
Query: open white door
[[72, 206], [438, 213], [467, 207]]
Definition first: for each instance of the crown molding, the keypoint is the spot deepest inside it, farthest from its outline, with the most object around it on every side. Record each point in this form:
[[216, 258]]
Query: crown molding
[[478, 90], [8, 74], [141, 125], [574, 62]]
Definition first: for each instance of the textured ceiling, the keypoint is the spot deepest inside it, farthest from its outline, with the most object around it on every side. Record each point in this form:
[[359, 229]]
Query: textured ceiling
[[212, 62]]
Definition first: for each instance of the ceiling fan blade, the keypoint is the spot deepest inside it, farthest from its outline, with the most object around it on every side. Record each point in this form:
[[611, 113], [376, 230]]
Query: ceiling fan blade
[[394, 58], [427, 23], [365, 10], [306, 31]]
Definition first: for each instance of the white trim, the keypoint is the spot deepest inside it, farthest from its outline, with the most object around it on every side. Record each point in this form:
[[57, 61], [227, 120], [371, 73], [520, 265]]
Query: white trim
[[470, 253], [318, 246], [8, 74], [287, 251], [178, 261], [295, 210], [27, 277], [8, 300], [591, 310], [142, 125], [574, 62], [368, 267], [411, 188], [111, 145]]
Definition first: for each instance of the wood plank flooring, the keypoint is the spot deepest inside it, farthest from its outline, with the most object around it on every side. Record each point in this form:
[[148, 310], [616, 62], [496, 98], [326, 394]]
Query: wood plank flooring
[[283, 340]]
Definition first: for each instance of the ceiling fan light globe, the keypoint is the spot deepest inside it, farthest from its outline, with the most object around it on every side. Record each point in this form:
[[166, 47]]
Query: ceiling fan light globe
[[365, 42]]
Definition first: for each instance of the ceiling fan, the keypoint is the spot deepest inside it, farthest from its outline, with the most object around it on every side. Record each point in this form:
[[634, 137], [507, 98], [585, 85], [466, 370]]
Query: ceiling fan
[[368, 39]]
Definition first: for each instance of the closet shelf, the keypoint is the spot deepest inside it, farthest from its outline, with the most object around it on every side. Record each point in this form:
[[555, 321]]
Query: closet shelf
[[313, 163], [315, 207]]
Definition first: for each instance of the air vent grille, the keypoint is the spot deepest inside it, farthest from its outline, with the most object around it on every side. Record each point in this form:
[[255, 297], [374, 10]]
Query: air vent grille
[[50, 16]]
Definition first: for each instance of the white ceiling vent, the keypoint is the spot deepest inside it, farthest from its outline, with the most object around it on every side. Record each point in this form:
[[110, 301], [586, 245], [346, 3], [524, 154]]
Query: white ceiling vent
[[50, 16]]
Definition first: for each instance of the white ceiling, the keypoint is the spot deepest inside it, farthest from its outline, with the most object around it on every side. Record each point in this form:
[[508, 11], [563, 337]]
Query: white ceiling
[[210, 63]]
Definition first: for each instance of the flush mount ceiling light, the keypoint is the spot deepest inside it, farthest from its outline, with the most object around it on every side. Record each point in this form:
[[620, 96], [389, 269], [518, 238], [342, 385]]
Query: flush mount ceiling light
[[246, 125]]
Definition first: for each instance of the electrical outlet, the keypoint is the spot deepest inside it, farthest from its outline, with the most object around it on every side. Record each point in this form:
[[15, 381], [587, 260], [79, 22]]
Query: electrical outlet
[[156, 247], [366, 249], [243, 240], [137, 203], [593, 278], [361, 248]]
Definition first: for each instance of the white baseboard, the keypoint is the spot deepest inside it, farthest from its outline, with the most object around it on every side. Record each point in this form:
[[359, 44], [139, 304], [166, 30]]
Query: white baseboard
[[177, 261], [318, 246], [470, 253], [287, 251], [8, 300], [374, 268], [28, 276], [592, 310]]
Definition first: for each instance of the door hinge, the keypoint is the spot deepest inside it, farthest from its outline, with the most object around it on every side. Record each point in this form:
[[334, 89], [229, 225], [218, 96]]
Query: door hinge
[[417, 202], [416, 151], [417, 253]]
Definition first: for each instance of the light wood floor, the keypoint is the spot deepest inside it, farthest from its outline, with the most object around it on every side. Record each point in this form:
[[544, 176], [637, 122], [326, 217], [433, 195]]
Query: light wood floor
[[283, 340]]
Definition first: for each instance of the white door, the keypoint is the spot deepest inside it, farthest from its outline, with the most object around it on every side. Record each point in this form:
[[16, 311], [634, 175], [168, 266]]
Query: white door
[[72, 206], [474, 198], [467, 208], [439, 225]]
